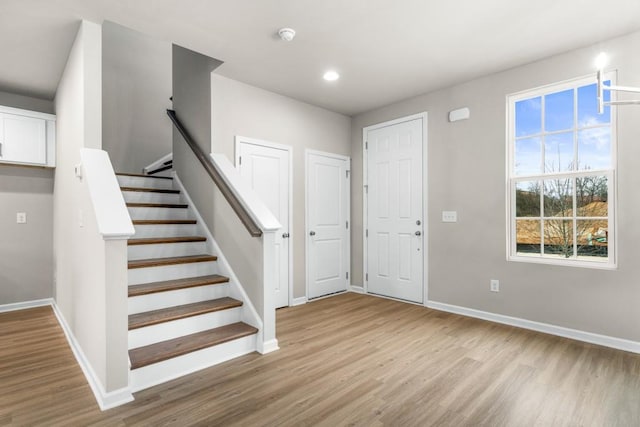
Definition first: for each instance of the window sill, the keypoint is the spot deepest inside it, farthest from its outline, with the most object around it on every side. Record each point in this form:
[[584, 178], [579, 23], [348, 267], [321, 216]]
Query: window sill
[[533, 259]]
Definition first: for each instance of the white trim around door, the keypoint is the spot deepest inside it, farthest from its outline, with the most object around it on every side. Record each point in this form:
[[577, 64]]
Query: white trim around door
[[425, 246], [260, 142]]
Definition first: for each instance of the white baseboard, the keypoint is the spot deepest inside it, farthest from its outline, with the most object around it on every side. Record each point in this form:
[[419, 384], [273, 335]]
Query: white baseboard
[[603, 340], [298, 301], [26, 304], [268, 346], [358, 289], [106, 400]]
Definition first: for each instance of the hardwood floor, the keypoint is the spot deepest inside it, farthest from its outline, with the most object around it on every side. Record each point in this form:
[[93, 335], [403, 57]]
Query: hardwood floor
[[346, 360]]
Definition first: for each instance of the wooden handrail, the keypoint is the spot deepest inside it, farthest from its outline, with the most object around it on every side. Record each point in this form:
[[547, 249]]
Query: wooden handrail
[[213, 172]]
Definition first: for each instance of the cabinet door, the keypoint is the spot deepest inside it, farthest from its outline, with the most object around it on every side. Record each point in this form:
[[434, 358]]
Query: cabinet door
[[23, 139]]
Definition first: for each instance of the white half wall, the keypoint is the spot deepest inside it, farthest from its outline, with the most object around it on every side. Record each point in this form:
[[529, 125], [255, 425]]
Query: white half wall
[[91, 301]]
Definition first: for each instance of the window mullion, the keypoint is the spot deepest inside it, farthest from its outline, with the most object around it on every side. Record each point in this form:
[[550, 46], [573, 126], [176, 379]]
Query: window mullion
[[574, 220], [575, 169], [543, 169]]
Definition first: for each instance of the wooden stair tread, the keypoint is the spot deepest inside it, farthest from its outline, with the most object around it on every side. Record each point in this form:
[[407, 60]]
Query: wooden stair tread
[[157, 262], [156, 205], [143, 176], [150, 190], [172, 285], [160, 240], [163, 221], [140, 320], [154, 353]]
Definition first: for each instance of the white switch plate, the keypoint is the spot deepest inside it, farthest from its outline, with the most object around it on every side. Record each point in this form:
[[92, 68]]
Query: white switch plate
[[495, 285], [21, 217], [449, 216]]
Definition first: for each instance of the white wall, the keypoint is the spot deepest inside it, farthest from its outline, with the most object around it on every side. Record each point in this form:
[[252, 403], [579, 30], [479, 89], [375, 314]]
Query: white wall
[[466, 172], [136, 87], [241, 109], [84, 263], [26, 250]]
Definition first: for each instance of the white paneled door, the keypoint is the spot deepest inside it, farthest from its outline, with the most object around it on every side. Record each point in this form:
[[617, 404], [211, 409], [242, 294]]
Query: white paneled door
[[328, 251], [394, 210], [266, 168]]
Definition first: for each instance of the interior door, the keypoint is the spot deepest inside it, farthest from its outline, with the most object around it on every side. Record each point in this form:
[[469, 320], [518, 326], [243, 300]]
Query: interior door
[[266, 168], [328, 251], [394, 210]]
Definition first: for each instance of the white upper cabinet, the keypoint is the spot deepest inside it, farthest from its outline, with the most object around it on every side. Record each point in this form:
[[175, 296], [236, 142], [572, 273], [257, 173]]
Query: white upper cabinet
[[27, 137]]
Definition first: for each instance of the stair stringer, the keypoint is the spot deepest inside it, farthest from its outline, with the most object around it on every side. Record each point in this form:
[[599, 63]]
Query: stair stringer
[[249, 314]]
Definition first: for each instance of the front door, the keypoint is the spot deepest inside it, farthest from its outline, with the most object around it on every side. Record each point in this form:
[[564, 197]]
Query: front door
[[266, 168], [328, 249], [394, 210]]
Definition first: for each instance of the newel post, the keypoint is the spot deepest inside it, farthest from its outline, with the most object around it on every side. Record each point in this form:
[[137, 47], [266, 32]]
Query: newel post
[[269, 342]]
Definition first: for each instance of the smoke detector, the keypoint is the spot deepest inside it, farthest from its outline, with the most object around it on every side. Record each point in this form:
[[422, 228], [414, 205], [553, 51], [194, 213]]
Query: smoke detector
[[287, 34]]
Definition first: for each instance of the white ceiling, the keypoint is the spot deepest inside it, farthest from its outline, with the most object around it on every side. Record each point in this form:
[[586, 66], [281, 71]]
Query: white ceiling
[[385, 50]]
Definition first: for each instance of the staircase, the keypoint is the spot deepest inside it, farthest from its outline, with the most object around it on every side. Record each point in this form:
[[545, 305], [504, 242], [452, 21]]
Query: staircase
[[181, 315]]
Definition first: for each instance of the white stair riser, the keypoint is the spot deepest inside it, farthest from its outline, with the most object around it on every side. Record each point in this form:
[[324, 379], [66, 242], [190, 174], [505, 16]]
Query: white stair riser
[[146, 197], [171, 272], [158, 213], [177, 328], [165, 250], [156, 301], [138, 181], [165, 230], [167, 370]]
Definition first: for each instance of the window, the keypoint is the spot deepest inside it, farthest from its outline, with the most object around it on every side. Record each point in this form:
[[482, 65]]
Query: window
[[561, 172]]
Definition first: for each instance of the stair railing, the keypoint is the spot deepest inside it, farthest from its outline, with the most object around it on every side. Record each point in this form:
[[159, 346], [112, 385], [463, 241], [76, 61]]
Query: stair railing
[[243, 214], [162, 164], [257, 219]]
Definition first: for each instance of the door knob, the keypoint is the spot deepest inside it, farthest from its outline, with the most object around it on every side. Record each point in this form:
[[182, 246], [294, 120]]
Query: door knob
[[285, 235], [418, 233], [312, 233]]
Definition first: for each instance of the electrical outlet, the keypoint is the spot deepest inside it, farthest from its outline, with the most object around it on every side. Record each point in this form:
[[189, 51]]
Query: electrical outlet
[[21, 217], [449, 216], [495, 285]]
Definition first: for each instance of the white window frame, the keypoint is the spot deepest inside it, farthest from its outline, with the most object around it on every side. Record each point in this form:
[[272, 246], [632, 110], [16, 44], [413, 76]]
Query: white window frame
[[512, 179]]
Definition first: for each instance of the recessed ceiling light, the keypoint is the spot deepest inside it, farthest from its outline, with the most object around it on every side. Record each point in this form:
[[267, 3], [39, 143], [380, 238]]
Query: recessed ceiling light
[[331, 76]]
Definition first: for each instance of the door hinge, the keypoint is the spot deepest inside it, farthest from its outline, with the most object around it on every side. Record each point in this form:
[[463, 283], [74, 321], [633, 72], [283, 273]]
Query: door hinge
[[347, 275], [366, 188], [347, 173], [239, 160], [366, 145], [366, 277], [366, 233], [347, 225]]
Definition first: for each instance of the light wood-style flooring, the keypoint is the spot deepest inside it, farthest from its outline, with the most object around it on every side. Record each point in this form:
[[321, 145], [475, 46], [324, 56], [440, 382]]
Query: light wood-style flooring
[[346, 360]]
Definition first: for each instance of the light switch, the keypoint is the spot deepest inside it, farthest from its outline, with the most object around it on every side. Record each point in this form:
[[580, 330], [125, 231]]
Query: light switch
[[21, 217], [449, 216]]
